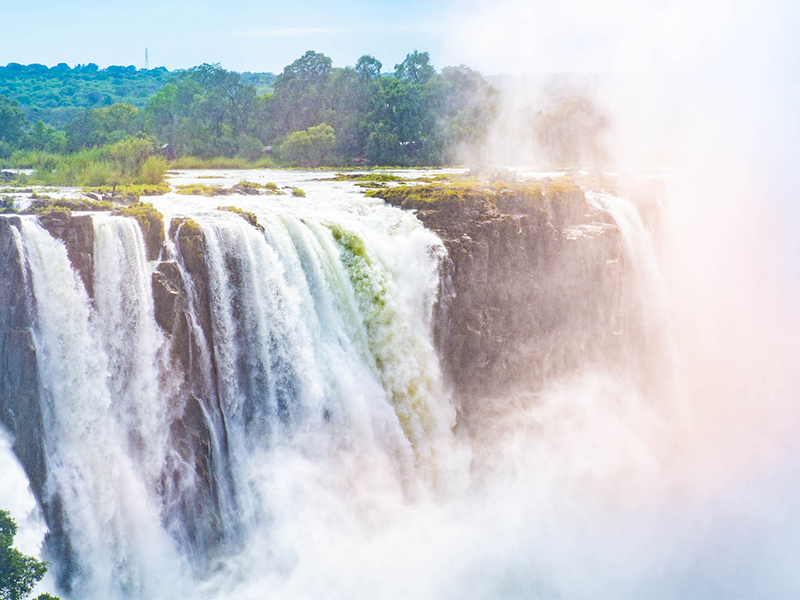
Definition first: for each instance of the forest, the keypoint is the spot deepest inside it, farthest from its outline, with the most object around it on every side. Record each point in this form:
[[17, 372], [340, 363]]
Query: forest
[[87, 126]]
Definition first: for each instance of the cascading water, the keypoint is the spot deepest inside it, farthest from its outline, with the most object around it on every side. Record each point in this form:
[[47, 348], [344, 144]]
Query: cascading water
[[309, 352], [96, 451], [276, 421]]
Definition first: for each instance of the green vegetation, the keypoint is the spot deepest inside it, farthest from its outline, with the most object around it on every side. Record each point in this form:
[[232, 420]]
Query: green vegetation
[[54, 214], [18, 573], [221, 162], [44, 205], [467, 193], [85, 126], [191, 227], [147, 215], [247, 216], [200, 189], [250, 189], [309, 148], [55, 95], [311, 115], [298, 193], [368, 177], [128, 193], [245, 188]]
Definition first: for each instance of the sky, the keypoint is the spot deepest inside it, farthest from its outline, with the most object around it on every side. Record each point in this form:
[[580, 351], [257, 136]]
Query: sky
[[242, 35], [502, 36]]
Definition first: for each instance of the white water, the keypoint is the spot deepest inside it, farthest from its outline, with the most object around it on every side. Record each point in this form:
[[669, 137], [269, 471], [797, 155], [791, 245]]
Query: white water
[[113, 519], [345, 480], [325, 370]]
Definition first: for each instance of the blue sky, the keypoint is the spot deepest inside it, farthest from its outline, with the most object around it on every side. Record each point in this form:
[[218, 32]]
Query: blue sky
[[493, 36], [239, 34]]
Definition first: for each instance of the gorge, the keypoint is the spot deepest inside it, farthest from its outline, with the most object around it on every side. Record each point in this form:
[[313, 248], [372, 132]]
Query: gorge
[[187, 401]]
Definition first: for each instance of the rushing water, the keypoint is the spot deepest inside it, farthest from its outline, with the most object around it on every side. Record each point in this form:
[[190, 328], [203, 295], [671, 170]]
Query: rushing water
[[324, 459]]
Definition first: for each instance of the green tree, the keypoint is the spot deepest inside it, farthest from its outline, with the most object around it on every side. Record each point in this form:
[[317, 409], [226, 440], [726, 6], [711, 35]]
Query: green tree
[[12, 121], [310, 147], [301, 97], [131, 154], [368, 67], [18, 573], [46, 138], [416, 68]]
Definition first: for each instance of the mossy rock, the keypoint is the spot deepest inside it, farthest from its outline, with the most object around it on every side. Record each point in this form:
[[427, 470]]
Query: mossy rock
[[128, 192], [472, 196], [191, 242], [44, 204], [247, 216], [55, 216], [245, 188], [151, 221]]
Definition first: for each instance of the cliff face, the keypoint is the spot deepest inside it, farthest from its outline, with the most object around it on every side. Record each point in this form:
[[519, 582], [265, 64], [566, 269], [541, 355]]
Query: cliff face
[[181, 309], [532, 289]]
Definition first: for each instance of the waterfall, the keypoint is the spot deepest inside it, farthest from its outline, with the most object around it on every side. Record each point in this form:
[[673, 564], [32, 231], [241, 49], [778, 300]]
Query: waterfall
[[303, 350], [646, 304], [281, 405], [111, 516]]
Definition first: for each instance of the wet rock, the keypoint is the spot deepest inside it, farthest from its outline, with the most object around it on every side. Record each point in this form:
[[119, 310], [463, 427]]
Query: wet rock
[[534, 274], [20, 408], [77, 233], [167, 295]]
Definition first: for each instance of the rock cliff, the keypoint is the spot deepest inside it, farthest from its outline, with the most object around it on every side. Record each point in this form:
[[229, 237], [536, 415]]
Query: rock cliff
[[532, 286]]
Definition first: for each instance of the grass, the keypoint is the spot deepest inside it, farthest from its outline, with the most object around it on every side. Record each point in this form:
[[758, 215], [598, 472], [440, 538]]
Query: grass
[[237, 162], [460, 194], [367, 177]]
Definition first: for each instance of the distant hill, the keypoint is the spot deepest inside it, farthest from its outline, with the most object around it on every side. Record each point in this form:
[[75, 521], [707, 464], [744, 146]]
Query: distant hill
[[55, 94]]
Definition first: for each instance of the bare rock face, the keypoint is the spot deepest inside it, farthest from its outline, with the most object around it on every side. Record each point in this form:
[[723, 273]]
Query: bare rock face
[[531, 287], [77, 233], [194, 404], [20, 408]]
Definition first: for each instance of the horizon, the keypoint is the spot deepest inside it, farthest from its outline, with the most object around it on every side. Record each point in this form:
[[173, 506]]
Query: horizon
[[507, 37]]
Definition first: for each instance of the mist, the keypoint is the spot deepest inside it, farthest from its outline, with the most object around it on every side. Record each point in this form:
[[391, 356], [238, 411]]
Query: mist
[[698, 498], [678, 479], [592, 487]]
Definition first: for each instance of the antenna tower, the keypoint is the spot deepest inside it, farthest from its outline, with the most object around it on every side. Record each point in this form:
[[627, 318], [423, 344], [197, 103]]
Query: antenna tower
[[146, 59]]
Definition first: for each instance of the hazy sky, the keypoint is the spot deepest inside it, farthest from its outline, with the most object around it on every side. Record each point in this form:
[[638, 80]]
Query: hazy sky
[[494, 37]]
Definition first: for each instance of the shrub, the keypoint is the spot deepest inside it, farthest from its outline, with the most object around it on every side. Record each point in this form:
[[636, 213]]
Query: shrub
[[153, 170]]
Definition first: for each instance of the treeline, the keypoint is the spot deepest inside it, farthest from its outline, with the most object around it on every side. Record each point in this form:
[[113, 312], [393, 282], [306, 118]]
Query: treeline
[[55, 94], [314, 114]]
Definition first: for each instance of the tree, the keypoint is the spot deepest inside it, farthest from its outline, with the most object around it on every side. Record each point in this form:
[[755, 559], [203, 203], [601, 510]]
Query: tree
[[12, 121], [46, 138], [311, 68], [18, 573], [368, 67], [416, 68], [301, 97], [309, 147]]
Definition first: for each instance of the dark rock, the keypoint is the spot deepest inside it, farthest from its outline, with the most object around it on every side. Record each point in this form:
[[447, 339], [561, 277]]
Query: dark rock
[[20, 408], [533, 280], [77, 233], [167, 295]]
